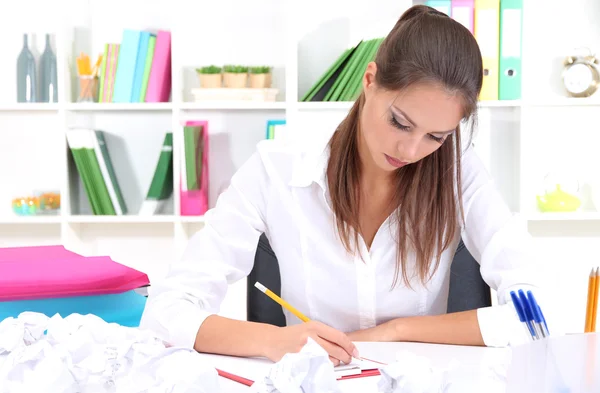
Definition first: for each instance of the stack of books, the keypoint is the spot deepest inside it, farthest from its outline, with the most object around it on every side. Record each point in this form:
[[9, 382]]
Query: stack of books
[[138, 69], [342, 81]]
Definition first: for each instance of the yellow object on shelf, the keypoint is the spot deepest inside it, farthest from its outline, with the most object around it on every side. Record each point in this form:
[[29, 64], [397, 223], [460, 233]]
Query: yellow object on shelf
[[558, 201]]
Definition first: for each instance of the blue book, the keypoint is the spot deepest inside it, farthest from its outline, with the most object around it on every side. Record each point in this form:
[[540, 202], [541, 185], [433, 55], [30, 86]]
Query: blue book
[[126, 66], [140, 64]]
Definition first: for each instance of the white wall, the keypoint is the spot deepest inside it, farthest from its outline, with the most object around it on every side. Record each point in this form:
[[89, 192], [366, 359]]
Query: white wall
[[300, 39]]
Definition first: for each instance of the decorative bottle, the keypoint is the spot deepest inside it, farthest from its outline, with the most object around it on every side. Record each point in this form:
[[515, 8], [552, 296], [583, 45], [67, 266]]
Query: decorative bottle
[[26, 77], [48, 77]]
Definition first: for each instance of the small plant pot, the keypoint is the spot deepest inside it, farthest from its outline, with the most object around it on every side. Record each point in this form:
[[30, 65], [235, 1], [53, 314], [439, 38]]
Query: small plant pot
[[211, 81], [258, 81], [268, 80], [235, 80]]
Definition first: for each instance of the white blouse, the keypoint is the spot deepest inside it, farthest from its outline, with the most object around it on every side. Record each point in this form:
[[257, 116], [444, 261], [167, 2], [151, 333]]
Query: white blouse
[[283, 193]]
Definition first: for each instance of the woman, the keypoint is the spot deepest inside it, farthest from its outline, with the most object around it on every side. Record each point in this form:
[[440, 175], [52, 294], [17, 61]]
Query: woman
[[364, 231]]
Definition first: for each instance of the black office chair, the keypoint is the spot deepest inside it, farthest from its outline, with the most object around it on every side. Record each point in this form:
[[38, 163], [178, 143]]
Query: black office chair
[[467, 291]]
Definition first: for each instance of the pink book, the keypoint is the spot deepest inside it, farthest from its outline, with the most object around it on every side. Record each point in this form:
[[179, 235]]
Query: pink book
[[51, 272], [159, 82], [195, 203], [463, 12]]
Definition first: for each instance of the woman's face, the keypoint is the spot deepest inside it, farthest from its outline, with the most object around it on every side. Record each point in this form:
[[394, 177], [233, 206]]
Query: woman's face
[[400, 128]]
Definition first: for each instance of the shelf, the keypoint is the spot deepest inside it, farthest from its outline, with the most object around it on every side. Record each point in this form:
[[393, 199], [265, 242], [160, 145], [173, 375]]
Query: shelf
[[191, 219], [232, 105], [575, 216], [346, 105], [325, 105], [501, 104], [118, 107], [127, 219], [564, 101], [16, 220], [29, 107]]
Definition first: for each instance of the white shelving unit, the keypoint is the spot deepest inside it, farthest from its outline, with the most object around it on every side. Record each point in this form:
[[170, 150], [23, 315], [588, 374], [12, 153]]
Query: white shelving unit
[[518, 140]]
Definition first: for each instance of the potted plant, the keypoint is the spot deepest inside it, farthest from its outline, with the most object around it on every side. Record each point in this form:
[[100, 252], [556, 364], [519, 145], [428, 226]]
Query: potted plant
[[210, 76], [260, 77], [235, 76]]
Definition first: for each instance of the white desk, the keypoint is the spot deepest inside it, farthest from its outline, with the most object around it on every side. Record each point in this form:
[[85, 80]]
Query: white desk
[[440, 355]]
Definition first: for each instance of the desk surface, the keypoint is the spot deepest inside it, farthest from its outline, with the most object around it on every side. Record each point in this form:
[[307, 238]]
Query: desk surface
[[440, 355]]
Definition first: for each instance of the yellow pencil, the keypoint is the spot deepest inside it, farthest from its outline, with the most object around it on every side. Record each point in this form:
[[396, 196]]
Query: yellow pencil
[[595, 301], [294, 311], [589, 311], [282, 302]]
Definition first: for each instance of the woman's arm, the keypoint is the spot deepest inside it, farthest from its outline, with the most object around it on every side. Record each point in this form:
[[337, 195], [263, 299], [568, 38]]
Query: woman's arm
[[461, 328], [219, 254]]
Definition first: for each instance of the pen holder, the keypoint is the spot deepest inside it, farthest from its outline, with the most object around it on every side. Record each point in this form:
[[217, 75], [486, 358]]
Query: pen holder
[[565, 364], [88, 88]]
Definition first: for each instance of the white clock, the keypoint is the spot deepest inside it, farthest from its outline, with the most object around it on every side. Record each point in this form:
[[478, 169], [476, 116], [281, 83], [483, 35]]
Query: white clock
[[580, 76]]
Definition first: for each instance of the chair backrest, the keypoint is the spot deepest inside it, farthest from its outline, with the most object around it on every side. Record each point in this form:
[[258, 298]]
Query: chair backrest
[[468, 290]]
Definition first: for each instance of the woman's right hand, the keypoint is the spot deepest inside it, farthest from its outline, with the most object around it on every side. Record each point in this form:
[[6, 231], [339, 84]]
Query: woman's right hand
[[291, 339]]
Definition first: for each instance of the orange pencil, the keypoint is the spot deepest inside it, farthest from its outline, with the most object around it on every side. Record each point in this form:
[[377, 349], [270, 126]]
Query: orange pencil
[[589, 312], [595, 300]]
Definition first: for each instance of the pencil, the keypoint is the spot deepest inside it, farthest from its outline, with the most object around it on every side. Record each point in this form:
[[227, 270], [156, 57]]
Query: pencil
[[282, 302], [589, 312], [595, 301], [294, 311]]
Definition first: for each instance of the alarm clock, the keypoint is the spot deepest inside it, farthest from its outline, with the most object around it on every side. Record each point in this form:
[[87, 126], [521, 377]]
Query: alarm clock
[[580, 75]]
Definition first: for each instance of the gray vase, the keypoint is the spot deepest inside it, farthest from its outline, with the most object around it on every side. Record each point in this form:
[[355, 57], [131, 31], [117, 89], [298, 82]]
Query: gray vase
[[48, 78], [26, 76]]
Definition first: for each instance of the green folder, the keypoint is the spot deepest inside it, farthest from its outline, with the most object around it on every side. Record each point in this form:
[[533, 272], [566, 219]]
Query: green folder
[[329, 77], [147, 67], [342, 79], [511, 27], [102, 72], [107, 172], [98, 183], [162, 181], [355, 85], [78, 157], [193, 158]]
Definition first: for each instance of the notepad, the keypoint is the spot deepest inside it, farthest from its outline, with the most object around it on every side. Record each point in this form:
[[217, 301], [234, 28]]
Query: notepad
[[248, 370]]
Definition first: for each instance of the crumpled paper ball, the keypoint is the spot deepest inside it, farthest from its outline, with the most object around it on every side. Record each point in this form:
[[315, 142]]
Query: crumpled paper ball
[[307, 371]]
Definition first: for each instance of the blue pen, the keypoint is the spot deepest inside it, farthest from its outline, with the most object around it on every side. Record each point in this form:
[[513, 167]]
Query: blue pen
[[521, 314], [529, 314], [538, 315]]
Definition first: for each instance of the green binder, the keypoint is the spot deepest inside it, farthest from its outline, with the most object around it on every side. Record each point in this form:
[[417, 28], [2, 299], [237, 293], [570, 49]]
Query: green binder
[[342, 80], [355, 85], [115, 203], [318, 91], [511, 27]]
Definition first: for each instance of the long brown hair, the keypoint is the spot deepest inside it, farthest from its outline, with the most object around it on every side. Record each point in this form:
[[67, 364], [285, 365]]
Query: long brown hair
[[425, 45]]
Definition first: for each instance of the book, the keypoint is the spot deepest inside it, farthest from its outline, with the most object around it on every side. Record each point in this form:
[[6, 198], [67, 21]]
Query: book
[[107, 170], [126, 66], [161, 186], [159, 83], [140, 66]]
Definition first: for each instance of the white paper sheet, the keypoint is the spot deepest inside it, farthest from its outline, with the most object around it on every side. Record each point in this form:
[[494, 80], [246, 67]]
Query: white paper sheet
[[411, 373], [85, 354]]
